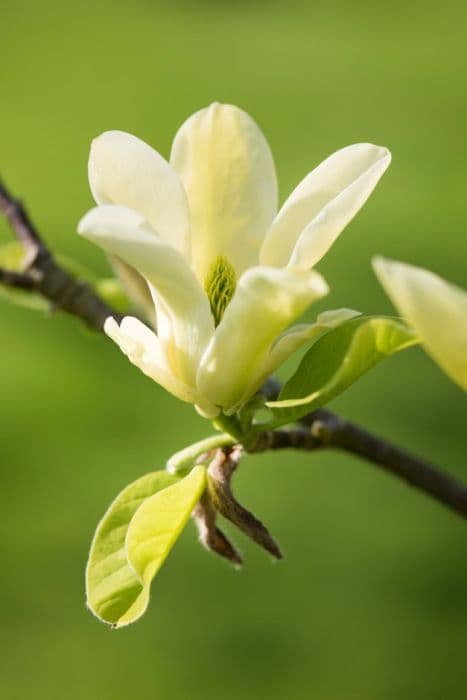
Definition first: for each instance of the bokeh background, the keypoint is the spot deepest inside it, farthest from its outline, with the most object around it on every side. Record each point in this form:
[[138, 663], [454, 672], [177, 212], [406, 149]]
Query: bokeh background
[[370, 601]]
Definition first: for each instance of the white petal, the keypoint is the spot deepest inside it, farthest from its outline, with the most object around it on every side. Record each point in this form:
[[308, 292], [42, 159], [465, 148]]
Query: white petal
[[136, 339], [135, 287], [228, 172], [435, 308], [265, 302], [123, 232], [142, 348], [293, 338], [322, 205], [126, 171]]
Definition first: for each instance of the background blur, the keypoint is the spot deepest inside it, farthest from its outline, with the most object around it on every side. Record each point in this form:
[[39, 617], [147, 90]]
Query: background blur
[[370, 601]]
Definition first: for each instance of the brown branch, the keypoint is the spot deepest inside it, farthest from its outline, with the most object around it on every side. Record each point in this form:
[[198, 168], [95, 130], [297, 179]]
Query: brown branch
[[323, 429], [210, 536], [220, 473], [43, 275], [20, 280], [15, 213]]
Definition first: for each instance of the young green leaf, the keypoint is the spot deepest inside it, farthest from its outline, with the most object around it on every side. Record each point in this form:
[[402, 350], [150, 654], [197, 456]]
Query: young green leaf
[[112, 292], [112, 587], [11, 258], [335, 361], [133, 540], [156, 526]]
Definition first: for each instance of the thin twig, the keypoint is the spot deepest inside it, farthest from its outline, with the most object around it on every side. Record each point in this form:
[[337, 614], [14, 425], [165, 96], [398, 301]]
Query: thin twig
[[43, 275], [20, 280], [18, 218], [211, 536], [220, 473]]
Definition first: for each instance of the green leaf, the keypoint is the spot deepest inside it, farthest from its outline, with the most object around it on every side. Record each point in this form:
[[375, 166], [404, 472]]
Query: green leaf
[[334, 362], [11, 258], [112, 587], [155, 528], [116, 592], [24, 298], [113, 293]]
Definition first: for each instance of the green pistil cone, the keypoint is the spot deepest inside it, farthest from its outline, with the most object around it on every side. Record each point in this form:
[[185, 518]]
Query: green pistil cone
[[220, 286]]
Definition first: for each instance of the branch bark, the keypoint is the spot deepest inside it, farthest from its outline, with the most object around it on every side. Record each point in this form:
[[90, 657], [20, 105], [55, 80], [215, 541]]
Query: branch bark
[[210, 536], [220, 474], [42, 274]]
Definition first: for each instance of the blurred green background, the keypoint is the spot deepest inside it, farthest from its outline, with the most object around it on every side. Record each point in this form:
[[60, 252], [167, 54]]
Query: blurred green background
[[370, 601]]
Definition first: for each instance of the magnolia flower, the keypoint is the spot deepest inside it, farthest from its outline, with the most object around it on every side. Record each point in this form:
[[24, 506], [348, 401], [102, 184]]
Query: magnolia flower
[[435, 308], [228, 273]]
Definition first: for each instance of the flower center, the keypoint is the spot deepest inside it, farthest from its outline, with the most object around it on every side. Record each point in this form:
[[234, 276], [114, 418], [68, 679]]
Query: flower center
[[220, 286]]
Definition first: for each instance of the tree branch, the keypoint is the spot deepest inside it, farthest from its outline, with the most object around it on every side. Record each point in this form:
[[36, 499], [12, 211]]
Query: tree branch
[[42, 274], [220, 473], [210, 536], [323, 429], [20, 280]]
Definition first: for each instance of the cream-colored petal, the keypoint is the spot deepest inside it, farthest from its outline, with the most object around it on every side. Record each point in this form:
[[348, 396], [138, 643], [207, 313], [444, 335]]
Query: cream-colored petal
[[293, 338], [126, 171], [141, 346], [123, 232], [265, 302], [228, 172], [136, 339], [322, 205], [136, 288], [435, 308]]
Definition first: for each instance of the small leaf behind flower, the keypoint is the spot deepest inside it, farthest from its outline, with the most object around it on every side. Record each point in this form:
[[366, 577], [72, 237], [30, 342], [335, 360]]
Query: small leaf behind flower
[[335, 361], [11, 258], [111, 291], [145, 520]]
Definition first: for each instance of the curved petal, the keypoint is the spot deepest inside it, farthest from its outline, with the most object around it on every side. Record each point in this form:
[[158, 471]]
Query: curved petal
[[123, 232], [126, 171], [293, 338], [228, 172], [322, 205], [265, 302], [135, 286], [141, 346], [435, 308]]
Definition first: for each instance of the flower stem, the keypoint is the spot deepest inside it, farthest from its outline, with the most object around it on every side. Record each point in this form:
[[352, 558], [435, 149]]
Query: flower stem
[[181, 462], [230, 425]]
